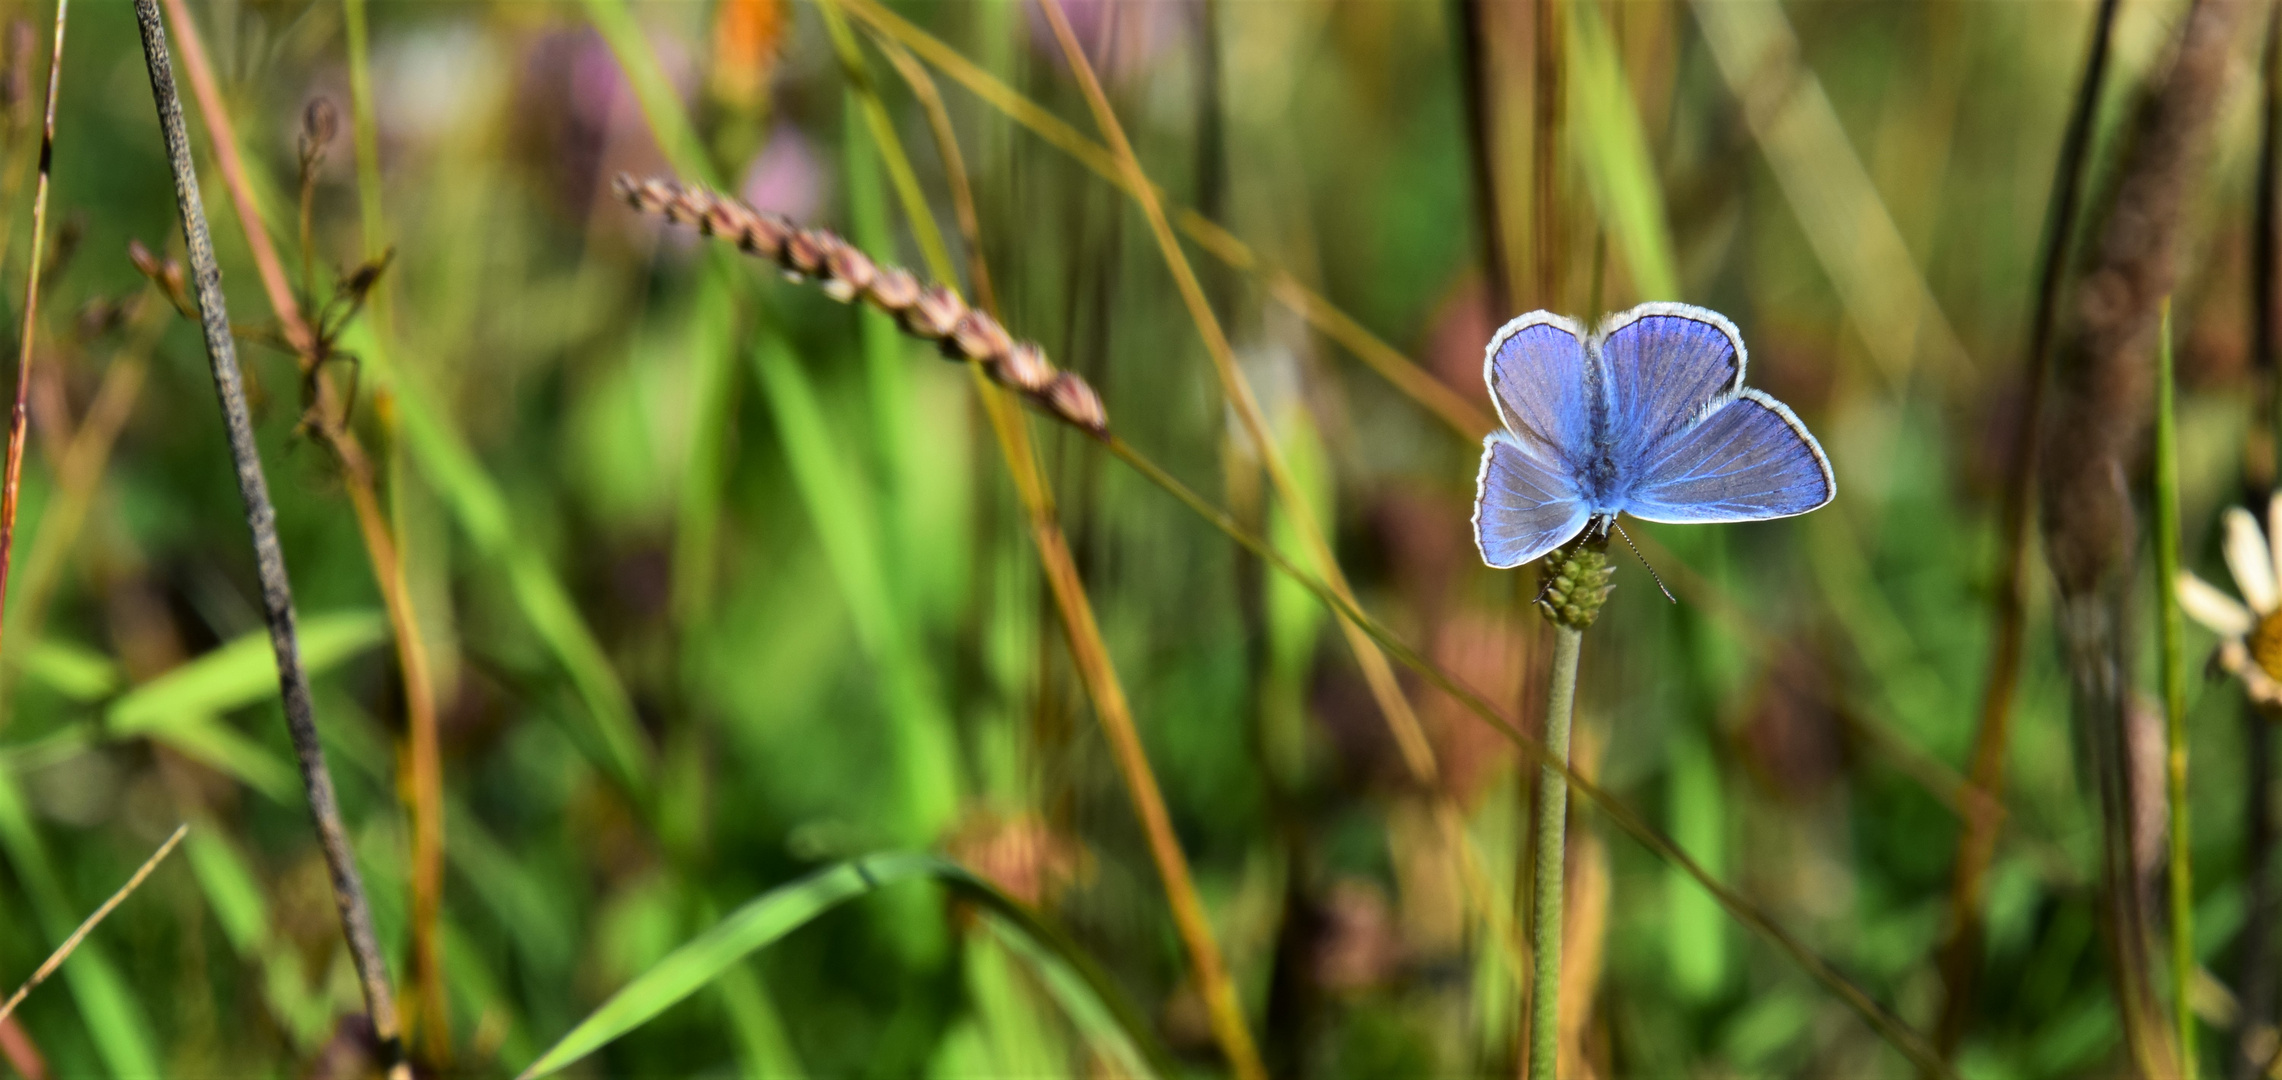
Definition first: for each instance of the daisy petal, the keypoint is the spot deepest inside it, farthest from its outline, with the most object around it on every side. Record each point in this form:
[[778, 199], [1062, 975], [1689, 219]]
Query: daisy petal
[[2273, 522], [2252, 563], [2205, 604]]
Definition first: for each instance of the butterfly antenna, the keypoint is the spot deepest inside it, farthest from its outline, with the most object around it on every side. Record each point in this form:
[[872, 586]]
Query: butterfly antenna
[[1644, 562]]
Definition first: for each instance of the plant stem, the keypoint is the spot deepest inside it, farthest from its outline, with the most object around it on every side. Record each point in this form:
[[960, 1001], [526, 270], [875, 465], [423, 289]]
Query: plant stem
[[269, 556], [2174, 696], [18, 415], [1552, 848]]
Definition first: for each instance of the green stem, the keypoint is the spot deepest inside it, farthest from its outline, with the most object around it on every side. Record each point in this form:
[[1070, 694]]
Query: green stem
[[2174, 697], [1552, 846]]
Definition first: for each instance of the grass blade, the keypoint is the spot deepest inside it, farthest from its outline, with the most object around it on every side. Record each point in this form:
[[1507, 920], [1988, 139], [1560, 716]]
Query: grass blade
[[771, 916], [70, 944], [115, 1021]]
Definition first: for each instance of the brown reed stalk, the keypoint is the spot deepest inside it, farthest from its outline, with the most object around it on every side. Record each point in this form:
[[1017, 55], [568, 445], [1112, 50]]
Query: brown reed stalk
[[19, 413], [1961, 953], [1547, 234], [2102, 382], [94, 918], [269, 557], [1479, 85], [330, 422]]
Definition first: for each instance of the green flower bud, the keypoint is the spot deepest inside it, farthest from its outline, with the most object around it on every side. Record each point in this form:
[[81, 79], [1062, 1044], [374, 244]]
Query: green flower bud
[[1577, 581]]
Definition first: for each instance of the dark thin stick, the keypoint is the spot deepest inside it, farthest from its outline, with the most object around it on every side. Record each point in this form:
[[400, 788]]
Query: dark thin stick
[[1961, 954], [269, 557], [1481, 129], [20, 413], [71, 944]]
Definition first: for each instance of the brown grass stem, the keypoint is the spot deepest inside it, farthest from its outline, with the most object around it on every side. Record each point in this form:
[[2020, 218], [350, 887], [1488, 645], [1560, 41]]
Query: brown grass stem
[[19, 414], [269, 557], [331, 423], [2094, 436], [1961, 952], [70, 944]]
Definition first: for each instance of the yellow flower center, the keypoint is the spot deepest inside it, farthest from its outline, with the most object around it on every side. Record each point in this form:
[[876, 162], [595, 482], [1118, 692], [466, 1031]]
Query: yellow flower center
[[2266, 645]]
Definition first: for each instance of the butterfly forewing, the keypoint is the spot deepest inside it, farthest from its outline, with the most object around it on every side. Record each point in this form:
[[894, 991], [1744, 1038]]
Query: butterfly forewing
[[1536, 369], [1663, 365]]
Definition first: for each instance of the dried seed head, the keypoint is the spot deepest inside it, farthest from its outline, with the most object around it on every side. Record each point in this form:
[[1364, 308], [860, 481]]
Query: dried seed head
[[320, 122], [894, 290], [1074, 401], [847, 272], [937, 310], [979, 337], [805, 251], [1024, 367]]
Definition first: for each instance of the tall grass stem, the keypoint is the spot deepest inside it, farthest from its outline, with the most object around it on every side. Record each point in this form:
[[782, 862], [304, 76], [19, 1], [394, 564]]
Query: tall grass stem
[[269, 557], [19, 413], [1552, 851]]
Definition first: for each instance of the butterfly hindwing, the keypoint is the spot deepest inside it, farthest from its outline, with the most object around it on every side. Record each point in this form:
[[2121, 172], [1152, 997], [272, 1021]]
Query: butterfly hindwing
[[1524, 506], [1747, 460]]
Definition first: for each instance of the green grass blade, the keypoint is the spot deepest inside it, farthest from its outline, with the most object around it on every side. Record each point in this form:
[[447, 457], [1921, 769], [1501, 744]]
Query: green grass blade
[[846, 525], [241, 673], [769, 917], [480, 507], [1619, 170], [115, 1022]]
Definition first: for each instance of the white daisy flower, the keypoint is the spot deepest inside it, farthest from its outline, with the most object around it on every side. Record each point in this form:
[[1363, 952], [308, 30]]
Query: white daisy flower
[[2250, 629]]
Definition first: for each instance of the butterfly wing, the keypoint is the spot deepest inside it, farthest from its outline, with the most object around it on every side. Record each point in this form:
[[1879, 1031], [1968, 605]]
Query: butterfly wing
[[1523, 506], [1526, 499], [1664, 365], [1748, 459], [1540, 378]]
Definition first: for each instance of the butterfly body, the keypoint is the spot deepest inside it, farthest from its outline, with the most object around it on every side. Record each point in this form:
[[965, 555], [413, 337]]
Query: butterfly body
[[1647, 416]]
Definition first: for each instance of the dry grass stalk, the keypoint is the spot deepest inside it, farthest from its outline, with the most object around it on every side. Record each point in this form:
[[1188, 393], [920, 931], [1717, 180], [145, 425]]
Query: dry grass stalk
[[19, 414], [2102, 380], [933, 312], [261, 519], [70, 944], [328, 417]]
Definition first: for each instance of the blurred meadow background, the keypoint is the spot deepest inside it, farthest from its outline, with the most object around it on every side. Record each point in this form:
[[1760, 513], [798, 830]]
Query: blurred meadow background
[[642, 587]]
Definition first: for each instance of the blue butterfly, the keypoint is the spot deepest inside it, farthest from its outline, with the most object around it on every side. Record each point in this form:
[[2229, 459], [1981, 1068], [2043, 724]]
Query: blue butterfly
[[1646, 417]]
